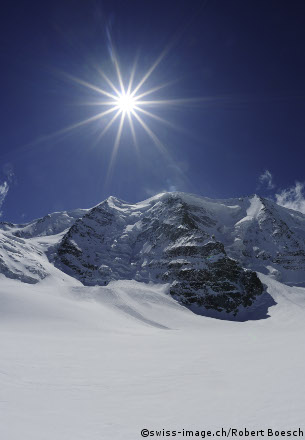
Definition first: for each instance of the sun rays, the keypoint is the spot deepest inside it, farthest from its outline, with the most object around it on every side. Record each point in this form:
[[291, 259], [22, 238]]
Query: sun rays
[[124, 103], [129, 107]]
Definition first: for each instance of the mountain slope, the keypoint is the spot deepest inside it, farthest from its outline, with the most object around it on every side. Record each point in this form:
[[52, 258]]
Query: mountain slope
[[22, 247], [271, 239], [207, 250]]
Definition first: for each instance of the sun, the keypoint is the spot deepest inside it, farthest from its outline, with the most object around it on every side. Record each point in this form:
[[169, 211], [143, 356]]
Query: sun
[[126, 103]]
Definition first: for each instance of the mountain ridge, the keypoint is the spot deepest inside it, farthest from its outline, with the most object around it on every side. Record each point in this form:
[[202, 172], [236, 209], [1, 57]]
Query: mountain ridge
[[207, 250]]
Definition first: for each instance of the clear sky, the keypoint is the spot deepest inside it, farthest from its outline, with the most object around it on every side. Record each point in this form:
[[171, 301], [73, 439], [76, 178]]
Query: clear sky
[[240, 63]]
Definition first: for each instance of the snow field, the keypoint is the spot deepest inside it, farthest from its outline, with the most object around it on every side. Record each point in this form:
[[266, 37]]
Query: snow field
[[104, 362]]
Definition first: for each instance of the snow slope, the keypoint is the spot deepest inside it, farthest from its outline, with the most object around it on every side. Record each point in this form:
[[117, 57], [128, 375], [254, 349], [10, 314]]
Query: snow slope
[[23, 247], [104, 362]]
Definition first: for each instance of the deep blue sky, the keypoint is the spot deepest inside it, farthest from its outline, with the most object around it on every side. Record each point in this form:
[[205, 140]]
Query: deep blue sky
[[248, 55]]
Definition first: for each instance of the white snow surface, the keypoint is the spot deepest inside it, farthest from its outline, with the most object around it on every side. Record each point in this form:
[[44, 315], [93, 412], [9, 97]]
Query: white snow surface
[[105, 362], [253, 211]]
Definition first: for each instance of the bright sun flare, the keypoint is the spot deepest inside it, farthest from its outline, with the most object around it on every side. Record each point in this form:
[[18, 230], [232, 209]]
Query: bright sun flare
[[126, 102]]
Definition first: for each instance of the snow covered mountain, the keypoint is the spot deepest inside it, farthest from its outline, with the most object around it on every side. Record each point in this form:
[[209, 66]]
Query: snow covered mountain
[[207, 250], [73, 348], [164, 239], [22, 247]]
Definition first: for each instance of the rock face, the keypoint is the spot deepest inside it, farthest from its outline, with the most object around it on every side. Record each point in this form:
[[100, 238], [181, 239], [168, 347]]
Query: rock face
[[164, 239]]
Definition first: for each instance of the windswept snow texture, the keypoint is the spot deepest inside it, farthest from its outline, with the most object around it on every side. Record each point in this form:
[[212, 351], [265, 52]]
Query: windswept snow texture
[[98, 362]]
